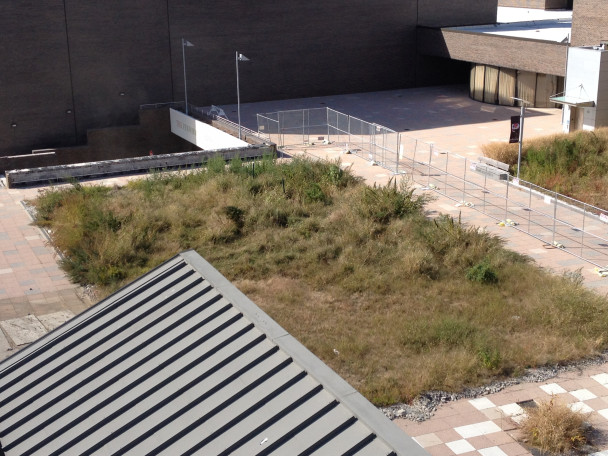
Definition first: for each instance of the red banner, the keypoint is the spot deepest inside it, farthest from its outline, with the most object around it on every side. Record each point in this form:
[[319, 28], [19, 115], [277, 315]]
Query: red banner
[[514, 138]]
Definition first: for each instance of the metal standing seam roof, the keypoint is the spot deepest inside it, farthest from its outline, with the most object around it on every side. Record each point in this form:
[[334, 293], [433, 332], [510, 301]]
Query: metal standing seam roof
[[180, 362]]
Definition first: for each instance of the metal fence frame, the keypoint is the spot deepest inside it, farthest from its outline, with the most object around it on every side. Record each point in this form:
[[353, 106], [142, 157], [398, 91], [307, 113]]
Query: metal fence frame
[[554, 219], [371, 141]]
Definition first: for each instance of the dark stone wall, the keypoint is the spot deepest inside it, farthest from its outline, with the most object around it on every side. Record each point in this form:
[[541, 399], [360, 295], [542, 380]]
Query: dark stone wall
[[296, 49], [441, 13], [152, 134], [538, 4], [35, 89], [120, 59], [71, 65]]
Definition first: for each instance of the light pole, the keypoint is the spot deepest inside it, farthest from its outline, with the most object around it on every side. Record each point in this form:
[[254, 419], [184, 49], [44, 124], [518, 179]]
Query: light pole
[[185, 43], [239, 58], [521, 130]]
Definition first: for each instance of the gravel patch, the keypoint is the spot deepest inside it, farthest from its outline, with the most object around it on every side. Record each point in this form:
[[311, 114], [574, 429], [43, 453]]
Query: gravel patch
[[425, 405]]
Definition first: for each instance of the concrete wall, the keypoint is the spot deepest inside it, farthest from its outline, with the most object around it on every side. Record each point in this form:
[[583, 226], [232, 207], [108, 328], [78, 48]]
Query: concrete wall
[[506, 52], [537, 4], [441, 13], [589, 22], [601, 113], [153, 134], [69, 66], [35, 87]]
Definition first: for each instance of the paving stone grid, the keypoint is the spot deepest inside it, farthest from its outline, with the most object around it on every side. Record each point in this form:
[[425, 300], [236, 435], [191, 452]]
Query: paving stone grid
[[35, 295]]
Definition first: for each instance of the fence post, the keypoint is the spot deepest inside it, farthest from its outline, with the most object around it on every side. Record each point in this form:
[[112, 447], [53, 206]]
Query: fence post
[[447, 156], [428, 174], [303, 126], [583, 231], [464, 182], [349, 140], [530, 209], [484, 191], [397, 156], [507, 201], [554, 214]]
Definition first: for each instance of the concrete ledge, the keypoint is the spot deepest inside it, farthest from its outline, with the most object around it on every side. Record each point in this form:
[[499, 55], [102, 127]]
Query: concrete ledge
[[490, 171], [129, 165]]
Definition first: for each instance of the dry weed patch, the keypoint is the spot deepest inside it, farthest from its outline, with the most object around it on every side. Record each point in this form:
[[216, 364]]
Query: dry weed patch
[[574, 164], [554, 428], [395, 302]]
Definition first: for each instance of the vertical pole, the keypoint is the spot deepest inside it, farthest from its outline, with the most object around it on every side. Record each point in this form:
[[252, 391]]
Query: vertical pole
[[521, 136], [530, 209], [184, 62], [507, 201], [349, 140], [447, 156], [428, 174], [485, 180], [464, 182], [397, 157], [583, 230], [238, 93], [554, 214]]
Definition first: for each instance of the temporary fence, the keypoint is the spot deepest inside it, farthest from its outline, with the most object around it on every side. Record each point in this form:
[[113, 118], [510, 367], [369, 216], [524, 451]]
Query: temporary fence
[[305, 126], [556, 220]]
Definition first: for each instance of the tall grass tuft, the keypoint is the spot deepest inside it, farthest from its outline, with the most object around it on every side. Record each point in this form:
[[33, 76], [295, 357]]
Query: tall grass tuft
[[554, 428], [410, 303], [574, 164]]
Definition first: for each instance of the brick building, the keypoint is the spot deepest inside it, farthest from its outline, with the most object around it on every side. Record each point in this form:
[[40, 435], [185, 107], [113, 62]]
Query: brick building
[[69, 66], [69, 69]]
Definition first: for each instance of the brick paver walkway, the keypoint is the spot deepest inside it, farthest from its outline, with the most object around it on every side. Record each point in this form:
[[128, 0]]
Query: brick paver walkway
[[36, 296]]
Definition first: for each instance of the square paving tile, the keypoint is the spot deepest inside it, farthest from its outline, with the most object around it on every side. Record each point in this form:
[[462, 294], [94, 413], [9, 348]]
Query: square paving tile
[[460, 446], [552, 388], [492, 451], [511, 409], [482, 403], [602, 378], [23, 330], [427, 440], [474, 430], [5, 347], [580, 407], [583, 394], [56, 319]]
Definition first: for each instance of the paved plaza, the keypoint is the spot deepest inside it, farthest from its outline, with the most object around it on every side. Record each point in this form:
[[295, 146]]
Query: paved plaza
[[36, 296]]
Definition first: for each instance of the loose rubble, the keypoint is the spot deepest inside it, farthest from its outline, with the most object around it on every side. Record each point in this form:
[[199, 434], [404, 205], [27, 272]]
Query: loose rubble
[[426, 404]]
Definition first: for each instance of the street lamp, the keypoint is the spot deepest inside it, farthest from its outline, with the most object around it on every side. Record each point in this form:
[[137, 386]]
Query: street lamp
[[521, 130], [185, 43], [239, 58]]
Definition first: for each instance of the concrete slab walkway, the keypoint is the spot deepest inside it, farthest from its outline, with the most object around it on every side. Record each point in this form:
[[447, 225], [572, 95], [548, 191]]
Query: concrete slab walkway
[[31, 281]]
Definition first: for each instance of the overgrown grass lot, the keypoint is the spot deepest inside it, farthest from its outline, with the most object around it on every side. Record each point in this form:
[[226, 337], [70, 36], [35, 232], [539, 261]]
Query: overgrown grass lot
[[397, 303], [574, 164]]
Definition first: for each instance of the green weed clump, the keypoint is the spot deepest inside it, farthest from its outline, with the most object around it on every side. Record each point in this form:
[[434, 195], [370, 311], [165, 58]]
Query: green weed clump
[[405, 300], [574, 164]]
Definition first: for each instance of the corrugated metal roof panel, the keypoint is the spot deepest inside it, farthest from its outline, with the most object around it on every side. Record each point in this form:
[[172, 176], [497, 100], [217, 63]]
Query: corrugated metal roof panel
[[181, 362]]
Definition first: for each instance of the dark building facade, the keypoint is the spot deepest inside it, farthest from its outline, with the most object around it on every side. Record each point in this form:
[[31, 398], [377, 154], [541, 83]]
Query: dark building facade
[[69, 66]]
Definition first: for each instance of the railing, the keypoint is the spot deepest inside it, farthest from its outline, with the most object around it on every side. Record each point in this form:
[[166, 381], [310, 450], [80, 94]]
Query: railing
[[554, 219], [304, 126], [169, 104]]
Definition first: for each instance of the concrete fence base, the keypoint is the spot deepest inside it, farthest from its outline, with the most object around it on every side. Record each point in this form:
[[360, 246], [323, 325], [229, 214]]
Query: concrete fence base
[[129, 165]]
